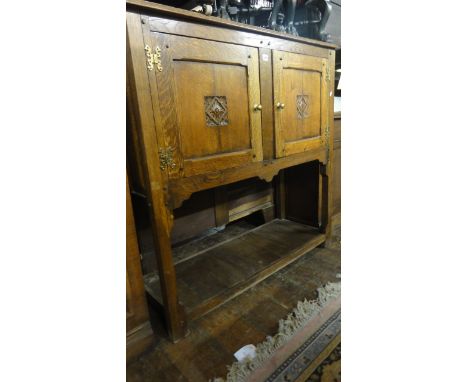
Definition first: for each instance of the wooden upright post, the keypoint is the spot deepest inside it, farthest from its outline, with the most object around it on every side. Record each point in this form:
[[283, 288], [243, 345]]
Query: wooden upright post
[[156, 182]]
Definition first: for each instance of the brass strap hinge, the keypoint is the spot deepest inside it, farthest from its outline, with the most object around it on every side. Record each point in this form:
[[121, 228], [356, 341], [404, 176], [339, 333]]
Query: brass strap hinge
[[166, 159], [327, 134], [326, 140], [327, 73], [153, 58]]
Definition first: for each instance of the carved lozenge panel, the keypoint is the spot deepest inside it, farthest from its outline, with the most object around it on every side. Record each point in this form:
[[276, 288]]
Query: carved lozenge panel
[[216, 111], [302, 105]]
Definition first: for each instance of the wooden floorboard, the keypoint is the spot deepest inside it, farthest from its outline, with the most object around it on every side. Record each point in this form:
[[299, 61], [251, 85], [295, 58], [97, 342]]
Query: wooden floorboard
[[191, 248], [246, 319]]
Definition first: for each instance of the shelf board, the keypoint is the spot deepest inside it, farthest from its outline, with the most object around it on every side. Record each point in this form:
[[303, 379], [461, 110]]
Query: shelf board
[[220, 273]]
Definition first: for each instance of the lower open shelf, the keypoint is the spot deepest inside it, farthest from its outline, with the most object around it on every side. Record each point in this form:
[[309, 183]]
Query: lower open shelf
[[217, 274]]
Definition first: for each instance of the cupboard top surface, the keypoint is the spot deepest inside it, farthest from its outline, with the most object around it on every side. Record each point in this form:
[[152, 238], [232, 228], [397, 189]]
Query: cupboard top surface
[[172, 12]]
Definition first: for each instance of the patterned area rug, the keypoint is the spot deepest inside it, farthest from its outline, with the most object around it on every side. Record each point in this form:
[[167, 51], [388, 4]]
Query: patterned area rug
[[330, 369], [305, 338]]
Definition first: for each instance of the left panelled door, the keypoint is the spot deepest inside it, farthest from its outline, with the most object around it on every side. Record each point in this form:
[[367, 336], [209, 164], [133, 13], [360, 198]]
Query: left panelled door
[[207, 101]]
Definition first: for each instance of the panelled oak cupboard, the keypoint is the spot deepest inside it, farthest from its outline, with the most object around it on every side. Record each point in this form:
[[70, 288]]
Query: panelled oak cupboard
[[235, 117]]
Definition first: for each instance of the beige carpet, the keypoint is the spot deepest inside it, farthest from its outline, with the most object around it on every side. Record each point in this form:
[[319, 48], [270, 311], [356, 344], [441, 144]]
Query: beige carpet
[[303, 339]]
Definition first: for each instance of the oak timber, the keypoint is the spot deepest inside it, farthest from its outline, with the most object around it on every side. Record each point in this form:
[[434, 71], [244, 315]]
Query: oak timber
[[139, 331], [218, 274], [181, 189], [337, 169], [139, 92], [192, 132], [248, 318]]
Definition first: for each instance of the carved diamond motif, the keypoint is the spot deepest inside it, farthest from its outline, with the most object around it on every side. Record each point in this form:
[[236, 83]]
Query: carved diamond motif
[[216, 111], [302, 104]]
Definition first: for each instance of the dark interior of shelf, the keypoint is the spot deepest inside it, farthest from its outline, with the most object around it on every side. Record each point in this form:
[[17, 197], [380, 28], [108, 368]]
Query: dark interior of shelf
[[213, 275]]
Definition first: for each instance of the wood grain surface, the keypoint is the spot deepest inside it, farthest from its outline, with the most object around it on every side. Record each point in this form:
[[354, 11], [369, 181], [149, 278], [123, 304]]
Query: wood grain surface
[[213, 276], [199, 124], [246, 319]]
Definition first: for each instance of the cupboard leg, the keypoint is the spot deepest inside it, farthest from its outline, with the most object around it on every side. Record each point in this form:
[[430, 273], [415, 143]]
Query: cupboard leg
[[138, 88], [320, 198], [324, 200], [174, 312]]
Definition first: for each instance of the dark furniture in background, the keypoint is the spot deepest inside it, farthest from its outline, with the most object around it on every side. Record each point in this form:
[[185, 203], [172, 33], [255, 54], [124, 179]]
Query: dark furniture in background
[[318, 19]]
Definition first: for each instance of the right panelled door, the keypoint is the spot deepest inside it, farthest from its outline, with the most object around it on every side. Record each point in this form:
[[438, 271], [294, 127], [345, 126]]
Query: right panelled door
[[301, 102]]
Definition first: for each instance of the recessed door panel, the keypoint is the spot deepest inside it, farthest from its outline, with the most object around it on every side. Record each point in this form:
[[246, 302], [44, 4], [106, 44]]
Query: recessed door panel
[[208, 95], [301, 111], [215, 117]]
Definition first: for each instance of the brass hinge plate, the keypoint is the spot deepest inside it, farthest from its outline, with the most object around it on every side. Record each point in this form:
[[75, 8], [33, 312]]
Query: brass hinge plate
[[327, 73], [166, 159], [326, 135], [326, 140], [153, 58]]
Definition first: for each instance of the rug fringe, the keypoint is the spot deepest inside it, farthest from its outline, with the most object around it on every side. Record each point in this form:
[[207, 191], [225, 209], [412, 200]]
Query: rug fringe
[[300, 316]]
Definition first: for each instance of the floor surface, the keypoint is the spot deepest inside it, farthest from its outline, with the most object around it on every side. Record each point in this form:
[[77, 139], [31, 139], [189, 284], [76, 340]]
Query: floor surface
[[247, 319]]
